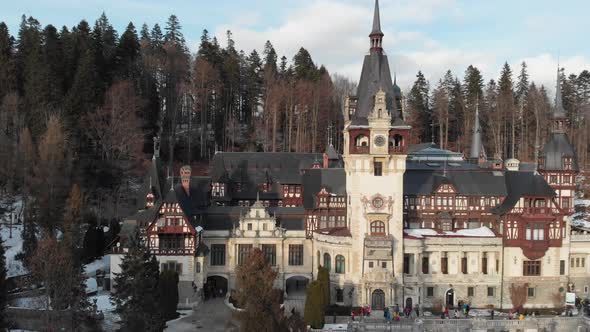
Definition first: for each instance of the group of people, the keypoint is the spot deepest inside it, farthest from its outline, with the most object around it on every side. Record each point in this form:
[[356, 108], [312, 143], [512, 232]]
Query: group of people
[[395, 314], [363, 312]]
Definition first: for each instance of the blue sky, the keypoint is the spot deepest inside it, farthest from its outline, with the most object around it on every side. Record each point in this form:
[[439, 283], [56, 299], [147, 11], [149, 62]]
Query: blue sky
[[427, 35]]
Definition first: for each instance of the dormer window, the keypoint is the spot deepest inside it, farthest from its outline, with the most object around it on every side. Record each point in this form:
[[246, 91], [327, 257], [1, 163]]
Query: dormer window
[[567, 163], [217, 189]]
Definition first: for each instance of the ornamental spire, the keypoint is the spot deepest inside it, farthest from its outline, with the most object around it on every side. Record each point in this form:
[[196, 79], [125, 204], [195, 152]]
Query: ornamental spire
[[376, 35], [558, 112], [476, 150]]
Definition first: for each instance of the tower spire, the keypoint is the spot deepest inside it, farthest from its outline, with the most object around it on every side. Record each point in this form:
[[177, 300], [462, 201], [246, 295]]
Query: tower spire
[[476, 150], [558, 112], [376, 35]]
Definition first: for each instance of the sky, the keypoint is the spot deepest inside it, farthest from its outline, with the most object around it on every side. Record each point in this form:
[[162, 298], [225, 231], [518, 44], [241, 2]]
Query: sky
[[427, 35]]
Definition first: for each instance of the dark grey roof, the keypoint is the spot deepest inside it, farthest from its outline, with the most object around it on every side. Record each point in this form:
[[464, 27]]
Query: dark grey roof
[[145, 216], [527, 167], [375, 75], [558, 147], [522, 183], [421, 146], [225, 217], [331, 152], [333, 179], [152, 182], [466, 182]]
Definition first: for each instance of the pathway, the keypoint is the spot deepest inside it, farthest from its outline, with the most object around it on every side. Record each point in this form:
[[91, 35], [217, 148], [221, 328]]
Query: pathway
[[211, 316]]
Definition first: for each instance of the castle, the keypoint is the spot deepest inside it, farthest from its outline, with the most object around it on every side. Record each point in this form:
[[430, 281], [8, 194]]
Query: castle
[[394, 223]]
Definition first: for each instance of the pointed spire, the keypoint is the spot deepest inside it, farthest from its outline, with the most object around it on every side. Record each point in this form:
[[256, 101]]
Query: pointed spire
[[376, 35], [376, 20], [558, 112], [476, 141], [394, 78]]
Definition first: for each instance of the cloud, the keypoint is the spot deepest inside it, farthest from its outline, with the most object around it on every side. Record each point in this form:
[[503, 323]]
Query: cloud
[[543, 68]]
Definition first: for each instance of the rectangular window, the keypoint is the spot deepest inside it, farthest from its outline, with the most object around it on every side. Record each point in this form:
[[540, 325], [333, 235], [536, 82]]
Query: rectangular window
[[464, 265], [484, 265], [172, 266], [491, 291], [425, 265], [243, 252], [270, 252], [561, 267], [378, 166], [565, 202], [249, 226], [218, 254], [470, 291], [444, 265], [531, 268], [430, 291], [553, 179], [339, 295], [531, 292], [406, 263], [295, 254], [370, 264]]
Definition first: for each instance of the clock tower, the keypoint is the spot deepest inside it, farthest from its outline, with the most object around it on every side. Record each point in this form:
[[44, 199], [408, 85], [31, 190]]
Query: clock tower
[[375, 147]]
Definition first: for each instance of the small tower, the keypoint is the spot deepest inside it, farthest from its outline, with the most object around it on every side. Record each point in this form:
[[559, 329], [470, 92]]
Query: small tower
[[558, 117], [185, 178], [376, 34], [477, 151]]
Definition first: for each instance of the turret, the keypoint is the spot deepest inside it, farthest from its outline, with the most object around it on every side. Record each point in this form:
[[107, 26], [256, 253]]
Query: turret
[[376, 35], [477, 151]]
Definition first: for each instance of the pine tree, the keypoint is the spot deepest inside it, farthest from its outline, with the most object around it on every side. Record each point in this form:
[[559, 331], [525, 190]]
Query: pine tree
[[324, 280], [128, 53], [3, 290], [419, 110], [255, 293], [173, 33], [506, 105], [7, 62], [304, 66], [136, 295], [314, 311], [72, 227], [168, 288]]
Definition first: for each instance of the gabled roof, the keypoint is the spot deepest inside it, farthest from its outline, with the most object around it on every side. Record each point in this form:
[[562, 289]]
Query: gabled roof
[[520, 184], [466, 182], [558, 147], [333, 179]]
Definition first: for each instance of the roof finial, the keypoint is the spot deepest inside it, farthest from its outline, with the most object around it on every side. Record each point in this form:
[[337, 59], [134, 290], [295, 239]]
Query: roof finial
[[394, 78]]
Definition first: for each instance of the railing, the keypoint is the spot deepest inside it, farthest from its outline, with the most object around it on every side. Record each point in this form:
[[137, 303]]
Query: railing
[[580, 237], [397, 149], [179, 251], [359, 149], [551, 324], [536, 211]]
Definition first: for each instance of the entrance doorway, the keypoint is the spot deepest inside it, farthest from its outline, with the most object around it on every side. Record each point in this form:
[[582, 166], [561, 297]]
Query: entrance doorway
[[450, 298], [409, 302], [378, 300], [216, 286]]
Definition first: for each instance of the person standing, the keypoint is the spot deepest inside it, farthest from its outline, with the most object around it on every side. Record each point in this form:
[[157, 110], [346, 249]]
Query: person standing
[[369, 311], [417, 309]]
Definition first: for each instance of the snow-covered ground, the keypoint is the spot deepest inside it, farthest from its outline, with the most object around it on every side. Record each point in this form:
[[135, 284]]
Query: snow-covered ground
[[103, 263], [581, 218], [472, 232], [12, 245]]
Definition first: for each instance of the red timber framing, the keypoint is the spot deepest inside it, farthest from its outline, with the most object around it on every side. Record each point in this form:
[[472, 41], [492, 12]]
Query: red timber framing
[[398, 141], [360, 141], [433, 211], [535, 227], [562, 182], [329, 212], [292, 195], [171, 233]]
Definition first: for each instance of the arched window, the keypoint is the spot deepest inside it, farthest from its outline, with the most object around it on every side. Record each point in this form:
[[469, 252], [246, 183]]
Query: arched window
[[340, 266], [378, 228], [398, 140], [362, 140], [327, 261]]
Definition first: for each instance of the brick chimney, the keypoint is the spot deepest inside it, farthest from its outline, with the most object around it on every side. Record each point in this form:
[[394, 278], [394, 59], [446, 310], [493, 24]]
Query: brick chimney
[[185, 177]]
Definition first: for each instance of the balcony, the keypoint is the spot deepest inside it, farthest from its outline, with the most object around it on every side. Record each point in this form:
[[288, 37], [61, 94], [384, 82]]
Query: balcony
[[359, 149], [397, 149], [172, 252]]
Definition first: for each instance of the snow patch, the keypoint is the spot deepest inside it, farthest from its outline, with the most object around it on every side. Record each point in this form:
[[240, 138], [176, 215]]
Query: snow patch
[[472, 232], [12, 246], [103, 263]]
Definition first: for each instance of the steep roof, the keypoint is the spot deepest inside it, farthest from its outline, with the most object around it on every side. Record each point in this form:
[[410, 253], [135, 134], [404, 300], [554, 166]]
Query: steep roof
[[225, 217], [333, 179], [558, 147], [520, 184], [466, 182], [376, 20]]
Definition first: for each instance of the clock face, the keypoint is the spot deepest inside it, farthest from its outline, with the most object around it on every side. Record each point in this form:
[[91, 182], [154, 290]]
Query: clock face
[[377, 202], [379, 140]]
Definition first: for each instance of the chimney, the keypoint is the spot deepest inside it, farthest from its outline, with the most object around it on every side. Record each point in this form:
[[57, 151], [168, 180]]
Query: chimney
[[326, 163], [185, 177]]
